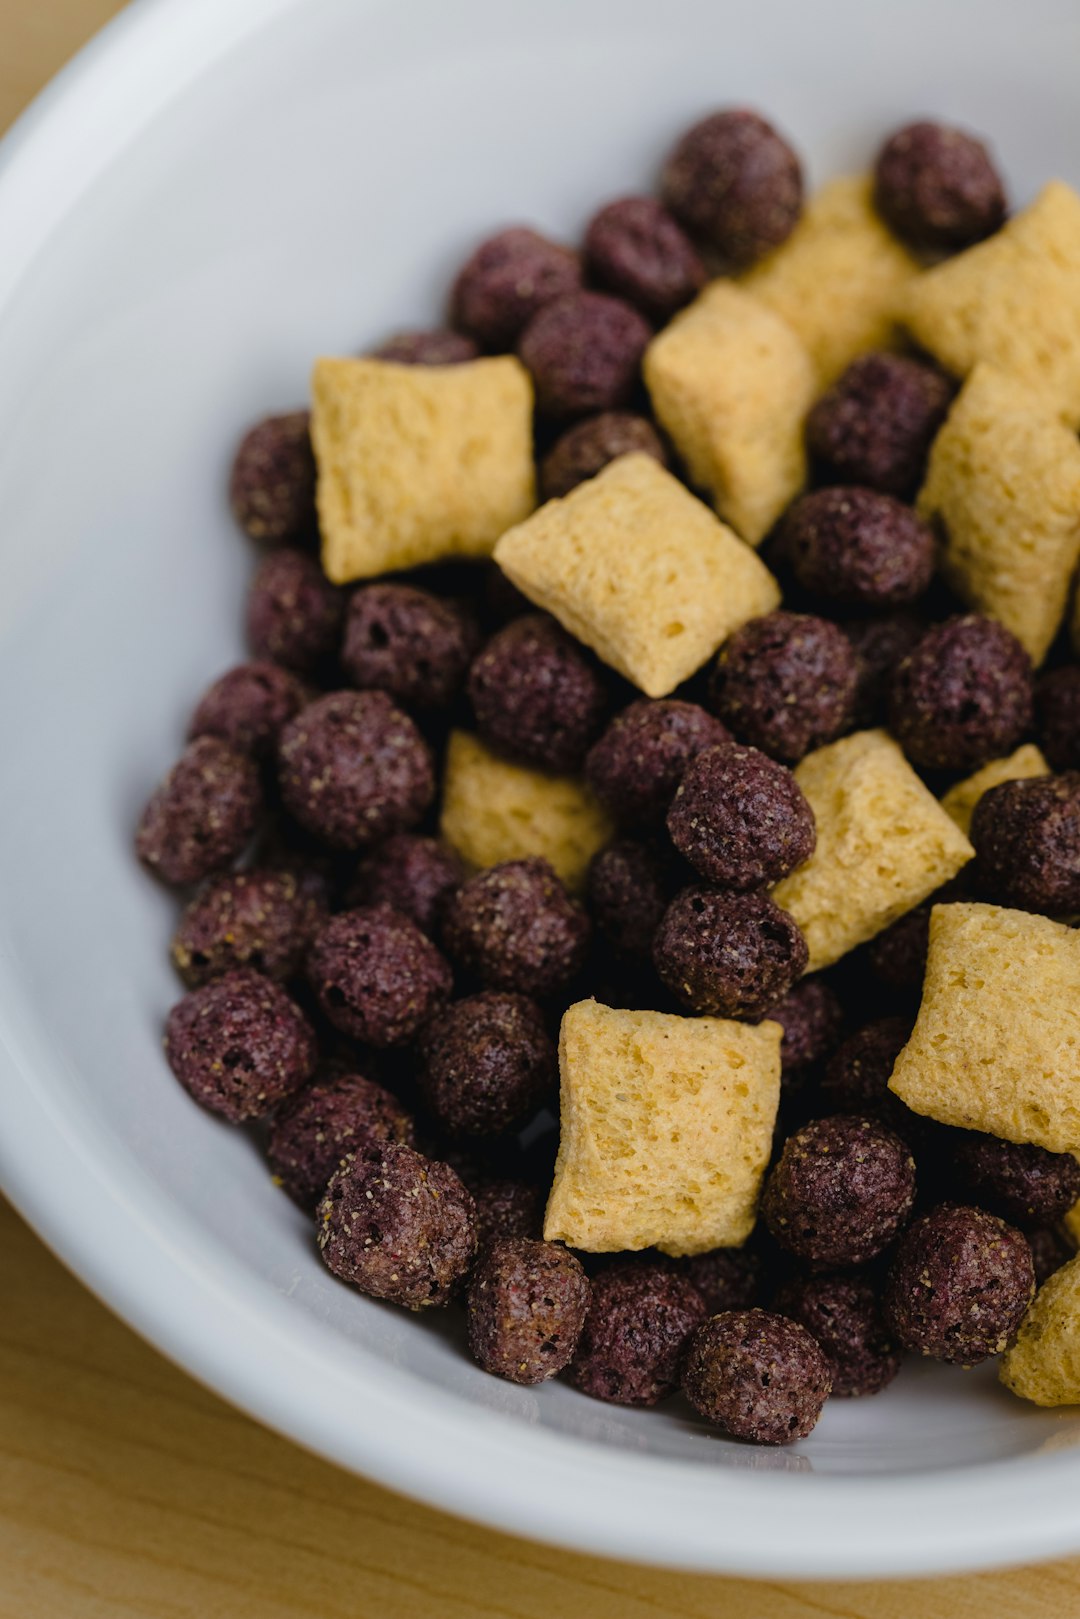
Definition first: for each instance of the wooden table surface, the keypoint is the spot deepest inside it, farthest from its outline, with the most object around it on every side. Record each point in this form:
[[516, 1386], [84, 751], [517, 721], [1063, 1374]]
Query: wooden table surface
[[127, 1489]]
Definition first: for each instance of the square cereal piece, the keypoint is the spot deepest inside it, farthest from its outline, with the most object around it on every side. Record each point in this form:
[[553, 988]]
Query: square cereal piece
[[884, 844], [960, 801], [1003, 484], [840, 277], [666, 1128], [1013, 301], [1043, 1365], [996, 1045], [640, 571], [493, 810], [731, 385], [418, 462]]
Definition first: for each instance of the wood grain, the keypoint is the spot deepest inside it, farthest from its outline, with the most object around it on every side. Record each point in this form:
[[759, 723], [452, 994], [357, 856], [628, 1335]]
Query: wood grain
[[126, 1489]]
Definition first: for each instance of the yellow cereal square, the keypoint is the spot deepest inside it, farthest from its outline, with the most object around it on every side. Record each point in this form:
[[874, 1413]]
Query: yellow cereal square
[[493, 810], [731, 385], [418, 462], [1003, 485], [840, 277], [884, 844], [1013, 301], [637, 568], [666, 1130], [996, 1045], [1043, 1365], [960, 801]]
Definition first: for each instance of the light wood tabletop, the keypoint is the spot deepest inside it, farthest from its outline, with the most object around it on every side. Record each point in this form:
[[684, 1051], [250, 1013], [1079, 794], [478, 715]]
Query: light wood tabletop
[[127, 1489]]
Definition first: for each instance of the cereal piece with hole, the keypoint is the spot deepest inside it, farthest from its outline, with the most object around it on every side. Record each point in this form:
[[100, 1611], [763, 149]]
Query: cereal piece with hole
[[960, 801], [1043, 1365], [666, 1125], [1013, 301], [731, 384], [884, 844], [996, 1045], [493, 811], [639, 570], [1003, 484], [417, 463], [840, 277]]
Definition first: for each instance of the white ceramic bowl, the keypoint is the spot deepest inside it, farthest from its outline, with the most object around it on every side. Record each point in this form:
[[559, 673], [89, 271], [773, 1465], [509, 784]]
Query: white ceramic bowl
[[217, 191]]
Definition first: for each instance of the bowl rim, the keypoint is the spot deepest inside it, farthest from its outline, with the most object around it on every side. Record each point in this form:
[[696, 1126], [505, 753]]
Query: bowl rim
[[166, 1278]]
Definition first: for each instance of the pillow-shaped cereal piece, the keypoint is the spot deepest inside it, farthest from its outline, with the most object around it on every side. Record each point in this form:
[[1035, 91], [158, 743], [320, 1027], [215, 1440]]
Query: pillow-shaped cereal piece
[[1013, 301], [666, 1127], [731, 384], [996, 1045], [1043, 1365], [840, 277], [1004, 484], [960, 801], [639, 570], [418, 462], [884, 844], [493, 810]]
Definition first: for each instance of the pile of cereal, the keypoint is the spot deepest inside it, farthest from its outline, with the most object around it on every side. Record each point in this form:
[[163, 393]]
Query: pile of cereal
[[634, 880]]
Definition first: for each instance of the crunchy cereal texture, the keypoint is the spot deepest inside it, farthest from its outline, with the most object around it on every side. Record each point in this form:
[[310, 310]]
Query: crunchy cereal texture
[[666, 1128], [996, 1046], [1043, 1364], [640, 571], [839, 278], [884, 844], [1003, 483], [493, 810], [731, 384], [417, 463], [960, 801], [1013, 301]]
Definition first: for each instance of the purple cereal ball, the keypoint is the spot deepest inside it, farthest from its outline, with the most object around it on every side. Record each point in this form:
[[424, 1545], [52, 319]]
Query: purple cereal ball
[[726, 1278], [740, 818], [414, 874], [736, 184], [486, 1063], [879, 645], [843, 1315], [757, 1375], [857, 1074], [876, 423], [272, 484], [253, 918], [1057, 712], [938, 187], [515, 928], [1049, 1251], [584, 352], [643, 755], [728, 955], [811, 1017], [842, 1189], [1023, 1183], [239, 1045], [537, 697], [507, 1208], [377, 977], [397, 1225], [438, 347], [897, 957], [640, 1317], [248, 707], [203, 814], [959, 1285], [293, 612], [353, 769], [508, 279], [627, 890], [855, 548], [962, 696], [786, 683], [589, 446], [635, 249], [322, 1124], [1026, 836], [407, 643], [526, 1308]]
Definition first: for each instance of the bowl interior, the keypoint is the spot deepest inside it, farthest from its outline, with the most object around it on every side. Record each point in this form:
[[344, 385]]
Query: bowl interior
[[311, 188]]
